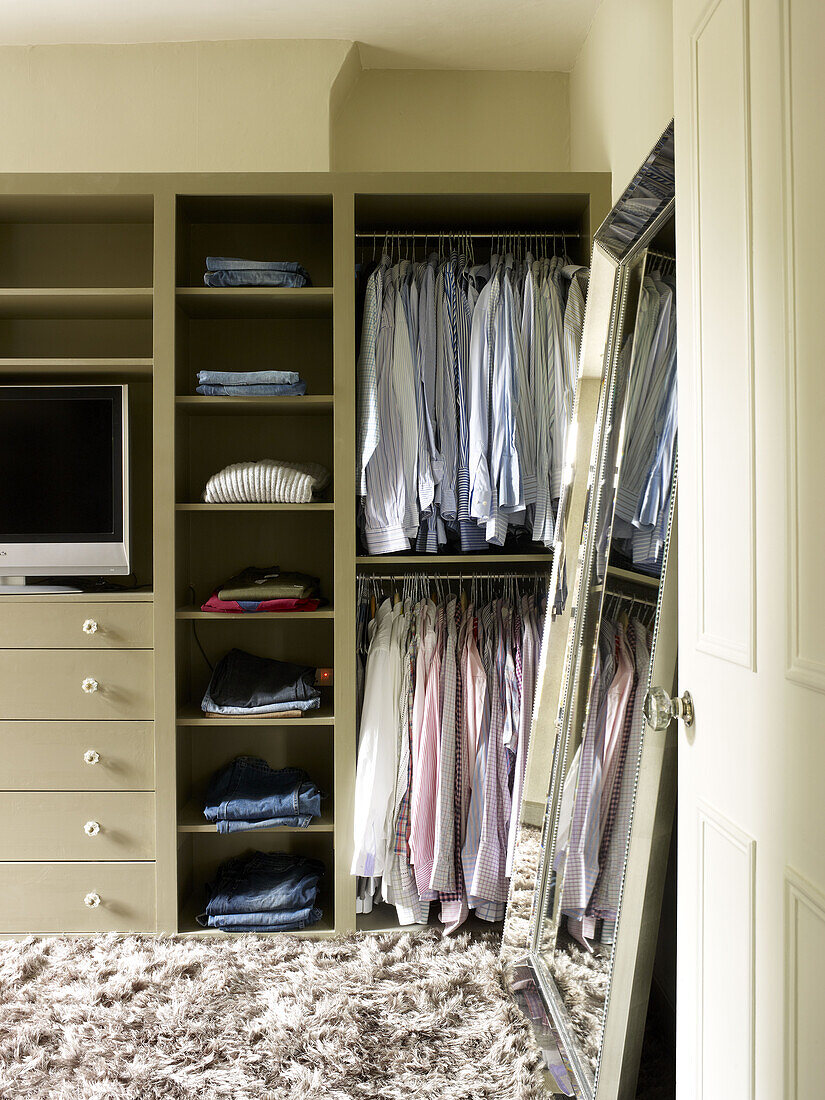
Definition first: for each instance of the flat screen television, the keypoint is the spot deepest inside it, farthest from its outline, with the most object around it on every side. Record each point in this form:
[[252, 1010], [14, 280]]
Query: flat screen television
[[64, 482]]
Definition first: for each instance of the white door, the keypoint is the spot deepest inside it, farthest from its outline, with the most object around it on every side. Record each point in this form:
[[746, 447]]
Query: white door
[[750, 135]]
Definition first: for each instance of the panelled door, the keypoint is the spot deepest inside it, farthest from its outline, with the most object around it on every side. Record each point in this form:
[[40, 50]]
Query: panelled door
[[750, 159]]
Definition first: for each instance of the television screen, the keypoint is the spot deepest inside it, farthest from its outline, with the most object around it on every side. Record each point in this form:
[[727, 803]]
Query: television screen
[[60, 453]]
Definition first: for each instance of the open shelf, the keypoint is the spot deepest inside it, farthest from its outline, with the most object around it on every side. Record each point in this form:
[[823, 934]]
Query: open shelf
[[245, 406], [384, 918], [209, 301], [188, 925], [191, 820], [125, 368], [315, 506], [58, 303], [256, 616], [631, 577], [194, 716]]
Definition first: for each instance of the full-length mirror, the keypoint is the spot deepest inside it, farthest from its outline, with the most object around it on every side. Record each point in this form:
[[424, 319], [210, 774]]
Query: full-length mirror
[[591, 860]]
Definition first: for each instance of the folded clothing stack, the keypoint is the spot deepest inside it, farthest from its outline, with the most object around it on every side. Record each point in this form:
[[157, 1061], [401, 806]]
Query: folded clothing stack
[[257, 589], [248, 794], [267, 481], [264, 892], [243, 684], [250, 383], [232, 271]]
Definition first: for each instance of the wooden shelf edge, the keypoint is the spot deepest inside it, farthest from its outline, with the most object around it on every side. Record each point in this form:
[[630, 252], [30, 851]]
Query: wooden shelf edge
[[630, 575], [308, 405], [193, 716], [381, 562], [325, 613], [314, 506]]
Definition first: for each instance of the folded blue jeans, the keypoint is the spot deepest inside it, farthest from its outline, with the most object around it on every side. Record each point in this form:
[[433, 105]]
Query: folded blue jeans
[[248, 377], [236, 263], [243, 683], [264, 882], [263, 922], [267, 708], [295, 821], [248, 790], [254, 278], [297, 389]]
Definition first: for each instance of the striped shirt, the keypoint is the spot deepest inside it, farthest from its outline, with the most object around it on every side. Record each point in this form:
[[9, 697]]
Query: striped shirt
[[422, 824]]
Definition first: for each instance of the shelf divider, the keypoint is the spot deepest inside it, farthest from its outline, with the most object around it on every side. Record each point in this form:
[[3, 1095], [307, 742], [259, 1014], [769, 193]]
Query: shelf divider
[[309, 405], [207, 302]]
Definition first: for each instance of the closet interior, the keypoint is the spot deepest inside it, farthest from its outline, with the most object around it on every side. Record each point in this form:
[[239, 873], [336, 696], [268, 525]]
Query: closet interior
[[251, 329], [419, 433], [103, 281]]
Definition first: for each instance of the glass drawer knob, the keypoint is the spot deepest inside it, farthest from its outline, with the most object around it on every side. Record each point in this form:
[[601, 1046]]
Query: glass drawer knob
[[90, 685], [91, 828], [90, 627], [91, 756], [91, 901], [660, 709]]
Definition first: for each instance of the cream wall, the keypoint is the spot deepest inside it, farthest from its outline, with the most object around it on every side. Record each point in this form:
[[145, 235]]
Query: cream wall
[[621, 88], [188, 106], [268, 105], [424, 120]]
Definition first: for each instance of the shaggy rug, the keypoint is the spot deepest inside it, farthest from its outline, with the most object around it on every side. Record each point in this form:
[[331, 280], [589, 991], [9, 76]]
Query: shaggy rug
[[410, 1016], [515, 941]]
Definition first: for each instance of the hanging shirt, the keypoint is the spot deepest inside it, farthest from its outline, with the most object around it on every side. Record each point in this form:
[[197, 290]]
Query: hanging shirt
[[478, 727], [478, 401], [606, 893], [376, 770], [527, 692], [422, 823], [443, 872], [367, 382], [399, 880]]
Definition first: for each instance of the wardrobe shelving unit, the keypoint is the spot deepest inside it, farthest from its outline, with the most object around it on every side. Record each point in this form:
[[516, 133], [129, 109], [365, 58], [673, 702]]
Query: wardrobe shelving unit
[[103, 280]]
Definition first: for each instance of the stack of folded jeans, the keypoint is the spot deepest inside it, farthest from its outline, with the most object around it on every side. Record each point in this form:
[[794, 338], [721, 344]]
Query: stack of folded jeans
[[250, 383], [243, 685], [248, 794], [230, 271], [264, 892], [257, 589]]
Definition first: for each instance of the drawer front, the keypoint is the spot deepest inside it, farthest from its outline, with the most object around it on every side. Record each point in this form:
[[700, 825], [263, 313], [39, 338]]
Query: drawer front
[[67, 683], [77, 897], [77, 756], [76, 825], [75, 625]]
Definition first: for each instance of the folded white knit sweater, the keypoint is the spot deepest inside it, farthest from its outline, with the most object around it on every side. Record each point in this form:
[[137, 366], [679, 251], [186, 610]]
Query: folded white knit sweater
[[268, 481]]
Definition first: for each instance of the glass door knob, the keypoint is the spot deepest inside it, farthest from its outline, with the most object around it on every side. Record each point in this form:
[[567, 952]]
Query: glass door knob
[[660, 709]]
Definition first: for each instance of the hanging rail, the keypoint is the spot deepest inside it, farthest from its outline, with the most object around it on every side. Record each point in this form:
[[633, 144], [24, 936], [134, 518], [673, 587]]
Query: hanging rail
[[629, 596], [475, 234], [470, 575]]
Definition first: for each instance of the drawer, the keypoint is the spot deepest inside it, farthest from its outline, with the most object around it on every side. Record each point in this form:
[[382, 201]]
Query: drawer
[[76, 825], [52, 756], [71, 625], [51, 897], [49, 683]]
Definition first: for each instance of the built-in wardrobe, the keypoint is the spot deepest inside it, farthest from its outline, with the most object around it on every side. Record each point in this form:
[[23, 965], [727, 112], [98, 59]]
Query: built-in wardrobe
[[130, 306]]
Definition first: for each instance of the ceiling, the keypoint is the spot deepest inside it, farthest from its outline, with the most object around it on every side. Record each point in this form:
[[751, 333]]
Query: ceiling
[[400, 34]]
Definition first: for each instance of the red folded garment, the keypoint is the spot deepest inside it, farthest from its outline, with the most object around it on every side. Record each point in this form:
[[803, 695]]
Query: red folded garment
[[245, 607]]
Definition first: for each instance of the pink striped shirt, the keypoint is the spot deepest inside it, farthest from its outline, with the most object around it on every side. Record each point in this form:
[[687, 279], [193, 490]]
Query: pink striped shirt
[[422, 824]]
